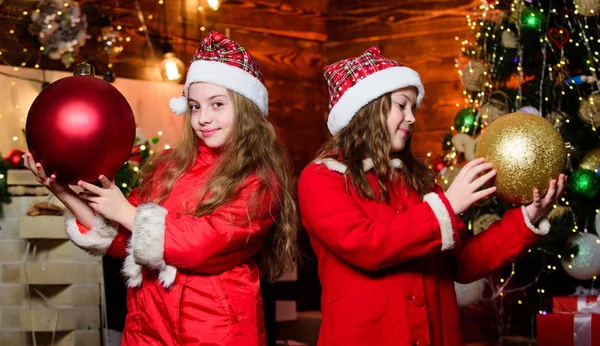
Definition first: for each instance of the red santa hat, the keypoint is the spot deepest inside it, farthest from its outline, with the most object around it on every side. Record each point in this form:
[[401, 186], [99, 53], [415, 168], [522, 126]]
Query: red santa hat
[[354, 82], [222, 61]]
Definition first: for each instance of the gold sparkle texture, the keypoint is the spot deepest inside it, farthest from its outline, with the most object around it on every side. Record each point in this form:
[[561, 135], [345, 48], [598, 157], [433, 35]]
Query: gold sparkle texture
[[526, 151]]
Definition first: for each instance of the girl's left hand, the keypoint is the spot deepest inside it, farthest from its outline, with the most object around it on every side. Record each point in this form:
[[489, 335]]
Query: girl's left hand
[[540, 206], [107, 200]]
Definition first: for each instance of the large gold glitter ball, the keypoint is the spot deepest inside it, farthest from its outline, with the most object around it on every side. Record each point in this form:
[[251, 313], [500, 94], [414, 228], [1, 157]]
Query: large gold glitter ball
[[526, 151]]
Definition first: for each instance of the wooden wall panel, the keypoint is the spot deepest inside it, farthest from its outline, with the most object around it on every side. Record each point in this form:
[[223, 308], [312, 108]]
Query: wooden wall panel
[[359, 20], [419, 34]]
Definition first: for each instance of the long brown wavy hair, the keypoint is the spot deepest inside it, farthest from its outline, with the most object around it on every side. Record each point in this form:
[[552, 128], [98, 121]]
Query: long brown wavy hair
[[251, 149], [366, 136]]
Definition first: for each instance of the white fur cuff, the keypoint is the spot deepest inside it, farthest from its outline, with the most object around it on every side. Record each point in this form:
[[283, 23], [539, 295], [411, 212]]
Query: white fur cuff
[[148, 241], [131, 271], [97, 240], [543, 227], [444, 219]]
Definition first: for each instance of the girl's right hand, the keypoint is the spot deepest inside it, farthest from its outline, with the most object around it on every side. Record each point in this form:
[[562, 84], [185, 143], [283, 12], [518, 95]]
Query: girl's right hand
[[463, 191], [40, 175]]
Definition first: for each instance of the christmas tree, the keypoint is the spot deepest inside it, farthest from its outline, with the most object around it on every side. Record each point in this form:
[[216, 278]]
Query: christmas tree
[[538, 57]]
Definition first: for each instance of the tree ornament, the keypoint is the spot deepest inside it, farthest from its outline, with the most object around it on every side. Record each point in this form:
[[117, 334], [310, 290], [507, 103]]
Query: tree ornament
[[111, 41], [591, 160], [588, 8], [466, 121], [585, 264], [526, 151], [589, 110], [560, 72], [559, 36], [509, 39], [529, 109], [61, 28], [557, 118], [80, 127], [581, 80], [465, 144], [14, 157], [584, 182], [472, 76], [533, 18], [494, 107], [438, 164]]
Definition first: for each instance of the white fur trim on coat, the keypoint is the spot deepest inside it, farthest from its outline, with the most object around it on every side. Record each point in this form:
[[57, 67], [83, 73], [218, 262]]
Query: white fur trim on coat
[[230, 77], [97, 240], [369, 89], [543, 227], [148, 241], [444, 219], [131, 271], [336, 166]]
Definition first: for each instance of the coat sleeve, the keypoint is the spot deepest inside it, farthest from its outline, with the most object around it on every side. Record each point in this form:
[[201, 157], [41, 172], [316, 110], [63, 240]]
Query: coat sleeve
[[336, 218], [503, 242], [104, 237], [208, 244]]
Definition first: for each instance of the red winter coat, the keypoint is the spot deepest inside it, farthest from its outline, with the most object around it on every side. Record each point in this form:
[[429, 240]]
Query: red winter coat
[[198, 284], [388, 270]]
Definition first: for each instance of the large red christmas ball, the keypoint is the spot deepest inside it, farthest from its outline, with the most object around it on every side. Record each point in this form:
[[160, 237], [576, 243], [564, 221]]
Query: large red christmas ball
[[14, 157], [79, 128]]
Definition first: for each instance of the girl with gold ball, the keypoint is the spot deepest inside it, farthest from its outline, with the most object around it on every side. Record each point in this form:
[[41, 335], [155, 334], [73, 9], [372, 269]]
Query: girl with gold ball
[[527, 153]]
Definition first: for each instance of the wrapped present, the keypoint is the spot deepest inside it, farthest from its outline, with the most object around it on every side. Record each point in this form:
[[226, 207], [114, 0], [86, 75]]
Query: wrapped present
[[568, 330], [580, 328], [572, 304]]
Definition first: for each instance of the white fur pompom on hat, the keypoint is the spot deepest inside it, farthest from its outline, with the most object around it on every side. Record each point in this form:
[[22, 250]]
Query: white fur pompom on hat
[[178, 105]]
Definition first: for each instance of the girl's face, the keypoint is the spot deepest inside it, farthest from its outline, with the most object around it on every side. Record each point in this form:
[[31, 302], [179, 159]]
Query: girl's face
[[401, 117], [212, 113]]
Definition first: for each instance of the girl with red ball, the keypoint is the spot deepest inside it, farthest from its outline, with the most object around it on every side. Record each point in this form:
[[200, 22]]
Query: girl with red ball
[[389, 241], [210, 218]]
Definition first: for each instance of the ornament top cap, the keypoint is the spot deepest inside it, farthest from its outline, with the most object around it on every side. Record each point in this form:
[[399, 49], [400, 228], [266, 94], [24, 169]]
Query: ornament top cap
[[84, 69], [569, 147]]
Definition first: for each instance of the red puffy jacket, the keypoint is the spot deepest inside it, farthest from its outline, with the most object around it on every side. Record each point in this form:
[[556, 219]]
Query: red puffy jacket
[[388, 270], [192, 280]]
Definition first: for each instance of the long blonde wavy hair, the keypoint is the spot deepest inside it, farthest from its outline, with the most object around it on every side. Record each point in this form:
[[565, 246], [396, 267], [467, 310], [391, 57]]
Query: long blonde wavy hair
[[366, 136], [251, 149]]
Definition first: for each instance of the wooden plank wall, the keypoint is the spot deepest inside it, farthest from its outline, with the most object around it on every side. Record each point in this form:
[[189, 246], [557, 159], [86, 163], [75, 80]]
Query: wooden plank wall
[[418, 33]]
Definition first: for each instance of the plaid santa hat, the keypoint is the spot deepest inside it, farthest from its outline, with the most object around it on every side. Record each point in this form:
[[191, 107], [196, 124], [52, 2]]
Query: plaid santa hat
[[222, 61], [354, 82]]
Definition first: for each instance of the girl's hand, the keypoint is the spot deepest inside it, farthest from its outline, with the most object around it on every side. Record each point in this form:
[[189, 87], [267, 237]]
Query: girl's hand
[[40, 175], [107, 200], [540, 206], [463, 191]]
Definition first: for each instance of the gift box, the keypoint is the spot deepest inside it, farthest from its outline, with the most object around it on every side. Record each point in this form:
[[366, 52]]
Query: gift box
[[571, 304], [573, 329]]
